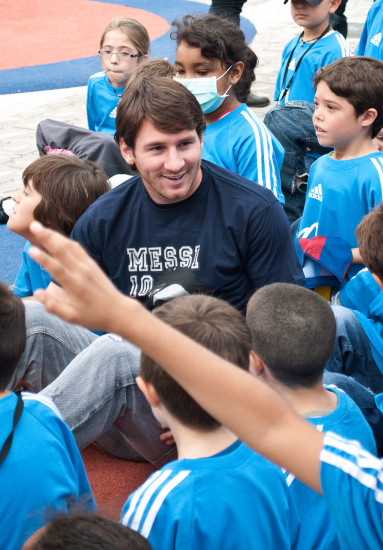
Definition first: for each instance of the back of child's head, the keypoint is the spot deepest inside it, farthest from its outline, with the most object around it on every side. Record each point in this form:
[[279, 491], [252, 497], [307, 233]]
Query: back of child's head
[[136, 33], [86, 532], [68, 186], [12, 333], [163, 102], [155, 67], [214, 324], [369, 234], [219, 38], [292, 331], [359, 80]]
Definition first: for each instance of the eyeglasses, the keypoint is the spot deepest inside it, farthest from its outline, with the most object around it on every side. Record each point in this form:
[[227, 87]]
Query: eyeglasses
[[121, 55]]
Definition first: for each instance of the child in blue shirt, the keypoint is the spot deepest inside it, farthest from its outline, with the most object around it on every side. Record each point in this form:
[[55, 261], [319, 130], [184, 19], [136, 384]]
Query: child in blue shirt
[[57, 191], [360, 345], [345, 185], [218, 68], [216, 478], [370, 43], [41, 471], [290, 121], [284, 321]]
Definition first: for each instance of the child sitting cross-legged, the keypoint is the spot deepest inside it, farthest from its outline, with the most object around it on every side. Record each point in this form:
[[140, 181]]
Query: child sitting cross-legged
[[41, 471], [216, 479], [57, 190], [286, 322]]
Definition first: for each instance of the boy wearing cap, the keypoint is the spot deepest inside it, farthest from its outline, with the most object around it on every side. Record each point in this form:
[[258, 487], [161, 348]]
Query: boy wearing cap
[[291, 120]]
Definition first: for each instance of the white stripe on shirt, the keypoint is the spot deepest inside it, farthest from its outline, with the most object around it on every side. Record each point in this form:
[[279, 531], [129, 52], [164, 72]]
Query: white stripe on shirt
[[363, 461], [343, 45], [379, 170], [151, 515], [41, 399], [137, 494], [260, 132]]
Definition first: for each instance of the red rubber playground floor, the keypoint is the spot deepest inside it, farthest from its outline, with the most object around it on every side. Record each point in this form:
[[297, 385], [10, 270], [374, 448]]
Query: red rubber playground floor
[[54, 44]]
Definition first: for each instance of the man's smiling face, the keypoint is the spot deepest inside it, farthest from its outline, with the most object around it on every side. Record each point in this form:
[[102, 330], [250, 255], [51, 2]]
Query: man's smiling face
[[169, 164]]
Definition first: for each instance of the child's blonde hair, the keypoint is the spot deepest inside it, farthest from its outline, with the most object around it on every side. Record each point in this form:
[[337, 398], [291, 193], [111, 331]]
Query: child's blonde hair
[[136, 33]]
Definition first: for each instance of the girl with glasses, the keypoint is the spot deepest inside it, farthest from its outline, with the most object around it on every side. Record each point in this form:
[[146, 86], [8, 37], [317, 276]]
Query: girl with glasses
[[124, 44]]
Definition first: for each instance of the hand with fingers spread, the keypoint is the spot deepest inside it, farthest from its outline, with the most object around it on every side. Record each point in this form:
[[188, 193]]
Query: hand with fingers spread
[[89, 298]]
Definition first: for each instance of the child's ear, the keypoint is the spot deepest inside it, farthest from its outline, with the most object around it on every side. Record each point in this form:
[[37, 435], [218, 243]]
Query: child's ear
[[369, 116], [334, 6], [256, 366], [236, 72], [148, 391]]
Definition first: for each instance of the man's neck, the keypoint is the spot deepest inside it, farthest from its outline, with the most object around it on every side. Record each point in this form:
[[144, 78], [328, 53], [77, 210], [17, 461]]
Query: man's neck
[[313, 33], [200, 444], [315, 401], [4, 393]]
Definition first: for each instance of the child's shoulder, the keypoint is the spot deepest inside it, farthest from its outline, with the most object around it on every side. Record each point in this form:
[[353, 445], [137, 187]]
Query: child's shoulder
[[40, 406], [97, 78]]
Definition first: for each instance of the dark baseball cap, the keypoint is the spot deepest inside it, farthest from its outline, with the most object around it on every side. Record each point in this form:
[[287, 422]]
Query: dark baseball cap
[[311, 2]]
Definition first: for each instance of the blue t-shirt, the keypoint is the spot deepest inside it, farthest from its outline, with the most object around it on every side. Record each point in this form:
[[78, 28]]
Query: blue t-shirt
[[317, 527], [30, 276], [228, 239], [365, 298], [370, 43], [42, 475], [352, 484], [235, 499], [241, 143], [339, 194], [101, 104], [322, 53]]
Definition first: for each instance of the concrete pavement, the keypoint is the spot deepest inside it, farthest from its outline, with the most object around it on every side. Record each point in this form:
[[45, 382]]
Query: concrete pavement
[[20, 113]]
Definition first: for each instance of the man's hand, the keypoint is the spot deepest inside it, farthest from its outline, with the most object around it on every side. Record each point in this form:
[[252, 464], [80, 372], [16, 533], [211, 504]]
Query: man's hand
[[90, 299]]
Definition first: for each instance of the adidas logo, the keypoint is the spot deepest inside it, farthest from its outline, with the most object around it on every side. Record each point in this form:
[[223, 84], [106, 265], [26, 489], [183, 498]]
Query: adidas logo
[[376, 39], [292, 65], [113, 113], [316, 193]]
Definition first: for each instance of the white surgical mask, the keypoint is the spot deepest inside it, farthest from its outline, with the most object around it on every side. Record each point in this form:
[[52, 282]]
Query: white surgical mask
[[205, 91]]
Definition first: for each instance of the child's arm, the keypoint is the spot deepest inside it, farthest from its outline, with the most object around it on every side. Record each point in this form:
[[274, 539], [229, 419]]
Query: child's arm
[[247, 406]]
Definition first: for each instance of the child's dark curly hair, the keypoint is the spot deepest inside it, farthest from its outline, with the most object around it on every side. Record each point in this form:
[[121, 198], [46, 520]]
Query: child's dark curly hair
[[221, 39]]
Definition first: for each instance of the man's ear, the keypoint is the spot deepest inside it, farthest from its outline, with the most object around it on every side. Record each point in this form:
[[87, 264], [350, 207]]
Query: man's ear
[[148, 391], [256, 365], [369, 116], [126, 152]]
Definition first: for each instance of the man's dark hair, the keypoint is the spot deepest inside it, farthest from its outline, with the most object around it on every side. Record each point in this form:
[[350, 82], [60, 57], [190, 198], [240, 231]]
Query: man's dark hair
[[86, 532], [163, 102], [211, 322], [67, 185], [12, 333], [369, 234], [292, 331], [219, 38], [358, 79]]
